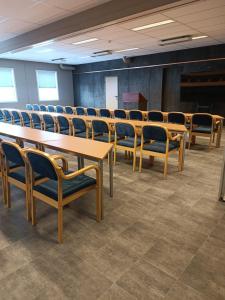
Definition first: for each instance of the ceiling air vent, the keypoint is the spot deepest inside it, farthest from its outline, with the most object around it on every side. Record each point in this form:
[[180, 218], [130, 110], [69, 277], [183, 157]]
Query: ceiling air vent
[[175, 40], [102, 53]]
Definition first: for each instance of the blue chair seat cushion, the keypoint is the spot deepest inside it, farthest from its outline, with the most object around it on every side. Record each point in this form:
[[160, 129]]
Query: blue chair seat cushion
[[50, 128], [202, 129], [160, 147], [26, 124], [65, 131], [37, 125], [82, 134], [69, 187], [105, 138], [128, 142], [20, 175]]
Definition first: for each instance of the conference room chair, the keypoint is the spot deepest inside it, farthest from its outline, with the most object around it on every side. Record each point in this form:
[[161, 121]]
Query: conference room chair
[[62, 186], [36, 121], [155, 116], [16, 119], [49, 123], [91, 111], [79, 128], [29, 107], [101, 131], [135, 115], [59, 109], [80, 111], [104, 112], [51, 108], [69, 110], [126, 139], [120, 114], [176, 118], [43, 107], [16, 172], [26, 120], [1, 116], [7, 116], [201, 125], [63, 125], [36, 107], [156, 141]]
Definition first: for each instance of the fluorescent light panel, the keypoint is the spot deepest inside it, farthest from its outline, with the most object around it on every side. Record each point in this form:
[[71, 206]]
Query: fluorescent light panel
[[153, 25], [85, 41], [199, 37], [124, 50], [43, 44]]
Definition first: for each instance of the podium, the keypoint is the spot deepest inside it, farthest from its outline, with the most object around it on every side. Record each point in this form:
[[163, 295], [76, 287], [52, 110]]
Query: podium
[[134, 101]]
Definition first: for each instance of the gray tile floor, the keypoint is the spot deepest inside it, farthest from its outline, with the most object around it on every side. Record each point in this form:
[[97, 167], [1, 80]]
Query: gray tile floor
[[160, 239]]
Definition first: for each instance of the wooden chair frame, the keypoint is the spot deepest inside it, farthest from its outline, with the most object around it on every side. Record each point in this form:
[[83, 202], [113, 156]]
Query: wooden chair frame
[[157, 111], [41, 118], [177, 112], [55, 124], [132, 150], [165, 155], [35, 195], [74, 129], [109, 130], [195, 134], [58, 126], [135, 110], [22, 120]]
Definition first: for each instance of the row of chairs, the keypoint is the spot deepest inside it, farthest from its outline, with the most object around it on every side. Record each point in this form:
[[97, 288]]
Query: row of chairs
[[155, 116], [123, 136], [44, 178]]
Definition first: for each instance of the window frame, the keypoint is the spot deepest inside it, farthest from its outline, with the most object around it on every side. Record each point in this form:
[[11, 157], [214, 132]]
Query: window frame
[[56, 80], [14, 86]]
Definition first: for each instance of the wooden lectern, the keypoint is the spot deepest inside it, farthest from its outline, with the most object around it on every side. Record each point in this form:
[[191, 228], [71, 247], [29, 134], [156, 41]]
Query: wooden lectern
[[134, 101]]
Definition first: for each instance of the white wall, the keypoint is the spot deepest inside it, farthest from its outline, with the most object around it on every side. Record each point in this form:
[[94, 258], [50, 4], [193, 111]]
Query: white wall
[[25, 77]]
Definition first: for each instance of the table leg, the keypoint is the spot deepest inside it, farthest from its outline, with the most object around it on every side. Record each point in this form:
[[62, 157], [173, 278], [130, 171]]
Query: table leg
[[111, 173], [100, 164], [222, 181], [219, 133]]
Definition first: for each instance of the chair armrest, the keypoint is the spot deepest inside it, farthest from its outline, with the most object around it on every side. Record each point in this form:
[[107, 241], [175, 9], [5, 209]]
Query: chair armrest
[[62, 158], [176, 137], [82, 171]]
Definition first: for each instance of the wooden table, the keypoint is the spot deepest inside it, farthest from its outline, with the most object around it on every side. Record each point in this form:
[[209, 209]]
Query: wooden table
[[83, 148]]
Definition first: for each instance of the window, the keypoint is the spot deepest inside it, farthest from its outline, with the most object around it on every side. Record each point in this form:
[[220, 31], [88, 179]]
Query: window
[[7, 85], [47, 85]]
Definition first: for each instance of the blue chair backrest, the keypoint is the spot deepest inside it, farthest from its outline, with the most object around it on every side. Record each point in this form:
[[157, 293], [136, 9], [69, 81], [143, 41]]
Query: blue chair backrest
[[202, 120], [176, 117], [48, 119], [59, 109], [43, 107], [155, 116], [7, 115], [1, 115], [15, 115], [12, 154], [69, 110], [35, 118], [51, 108], [100, 126], [120, 114], [80, 111], [104, 112], [63, 122], [36, 107], [156, 133], [124, 130], [42, 165], [25, 116], [91, 111], [135, 115], [79, 124], [29, 107]]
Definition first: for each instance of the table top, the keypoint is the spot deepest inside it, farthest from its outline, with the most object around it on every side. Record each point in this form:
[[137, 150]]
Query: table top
[[85, 147]]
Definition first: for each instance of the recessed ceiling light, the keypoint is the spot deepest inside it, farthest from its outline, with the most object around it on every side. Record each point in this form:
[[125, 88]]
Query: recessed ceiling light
[[45, 50], [43, 44], [85, 56], [199, 37], [85, 41], [153, 25], [124, 50]]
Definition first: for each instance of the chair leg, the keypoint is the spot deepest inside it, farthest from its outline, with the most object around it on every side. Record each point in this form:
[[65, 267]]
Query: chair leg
[[8, 195], [125, 154], [134, 161], [189, 142], [151, 160], [28, 204], [166, 166], [33, 210], [210, 140], [140, 162], [114, 158], [60, 224], [98, 205], [180, 159]]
